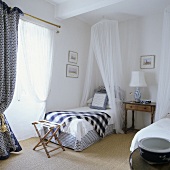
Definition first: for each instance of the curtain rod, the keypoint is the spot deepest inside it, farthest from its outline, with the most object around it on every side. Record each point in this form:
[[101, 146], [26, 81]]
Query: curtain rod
[[42, 20]]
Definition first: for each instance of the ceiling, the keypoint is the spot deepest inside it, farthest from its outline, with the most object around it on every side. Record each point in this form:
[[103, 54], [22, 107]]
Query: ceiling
[[92, 11]]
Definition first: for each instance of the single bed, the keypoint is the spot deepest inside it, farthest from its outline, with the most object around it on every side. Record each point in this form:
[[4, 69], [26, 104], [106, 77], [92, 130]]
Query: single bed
[[88, 124], [79, 133], [160, 129]]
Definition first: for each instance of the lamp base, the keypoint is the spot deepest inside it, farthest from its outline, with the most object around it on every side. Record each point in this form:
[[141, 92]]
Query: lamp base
[[137, 95]]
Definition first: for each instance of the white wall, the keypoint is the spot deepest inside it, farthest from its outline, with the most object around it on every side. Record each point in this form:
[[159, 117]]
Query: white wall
[[141, 36], [65, 92]]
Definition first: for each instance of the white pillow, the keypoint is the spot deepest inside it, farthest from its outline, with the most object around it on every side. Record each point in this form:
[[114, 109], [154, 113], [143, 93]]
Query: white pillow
[[99, 101]]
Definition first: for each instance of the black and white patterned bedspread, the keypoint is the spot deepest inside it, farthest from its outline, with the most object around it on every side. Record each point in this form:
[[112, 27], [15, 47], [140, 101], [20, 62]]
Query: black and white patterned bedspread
[[99, 120]]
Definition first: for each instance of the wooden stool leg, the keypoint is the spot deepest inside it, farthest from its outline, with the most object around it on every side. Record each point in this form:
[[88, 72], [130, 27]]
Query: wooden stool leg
[[41, 142], [53, 134], [44, 145], [38, 136], [56, 138]]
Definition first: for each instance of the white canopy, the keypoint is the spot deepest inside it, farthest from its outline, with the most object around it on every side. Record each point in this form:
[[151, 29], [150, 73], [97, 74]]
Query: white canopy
[[105, 49], [163, 96]]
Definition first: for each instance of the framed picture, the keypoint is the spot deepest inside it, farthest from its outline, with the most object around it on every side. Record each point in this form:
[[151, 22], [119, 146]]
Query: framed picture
[[72, 71], [72, 57], [147, 61]]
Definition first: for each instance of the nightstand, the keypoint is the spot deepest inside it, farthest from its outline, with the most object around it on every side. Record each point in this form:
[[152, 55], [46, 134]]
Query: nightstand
[[149, 107]]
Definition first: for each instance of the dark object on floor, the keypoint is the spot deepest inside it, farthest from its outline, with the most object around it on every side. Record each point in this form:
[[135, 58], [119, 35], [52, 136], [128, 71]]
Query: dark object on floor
[[136, 162], [155, 150]]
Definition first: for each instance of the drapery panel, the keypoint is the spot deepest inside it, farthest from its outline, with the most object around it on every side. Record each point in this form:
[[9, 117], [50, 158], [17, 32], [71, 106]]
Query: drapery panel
[[35, 63], [9, 19], [163, 96], [105, 49]]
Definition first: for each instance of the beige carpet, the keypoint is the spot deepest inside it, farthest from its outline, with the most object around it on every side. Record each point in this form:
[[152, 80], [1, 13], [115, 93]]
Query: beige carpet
[[109, 153]]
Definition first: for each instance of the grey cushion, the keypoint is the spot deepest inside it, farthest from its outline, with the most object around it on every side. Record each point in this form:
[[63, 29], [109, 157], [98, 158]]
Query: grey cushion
[[100, 101]]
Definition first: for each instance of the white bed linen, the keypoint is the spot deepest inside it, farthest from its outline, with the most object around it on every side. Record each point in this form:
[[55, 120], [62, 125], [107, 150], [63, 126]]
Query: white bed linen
[[79, 127], [160, 129]]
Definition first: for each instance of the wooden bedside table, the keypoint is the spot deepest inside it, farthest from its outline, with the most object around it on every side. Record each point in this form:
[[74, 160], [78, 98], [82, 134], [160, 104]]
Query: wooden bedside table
[[149, 107]]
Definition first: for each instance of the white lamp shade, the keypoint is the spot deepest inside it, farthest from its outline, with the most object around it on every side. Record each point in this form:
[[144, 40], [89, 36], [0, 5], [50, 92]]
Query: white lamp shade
[[137, 79]]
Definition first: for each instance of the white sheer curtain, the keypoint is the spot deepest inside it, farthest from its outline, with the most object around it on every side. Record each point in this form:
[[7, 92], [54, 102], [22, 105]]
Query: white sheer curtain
[[35, 62], [105, 48], [163, 96]]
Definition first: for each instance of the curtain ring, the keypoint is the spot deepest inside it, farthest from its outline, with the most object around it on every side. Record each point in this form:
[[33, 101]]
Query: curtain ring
[[3, 127]]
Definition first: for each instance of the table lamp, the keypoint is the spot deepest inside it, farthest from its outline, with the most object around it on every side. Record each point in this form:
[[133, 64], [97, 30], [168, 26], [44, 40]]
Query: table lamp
[[137, 80]]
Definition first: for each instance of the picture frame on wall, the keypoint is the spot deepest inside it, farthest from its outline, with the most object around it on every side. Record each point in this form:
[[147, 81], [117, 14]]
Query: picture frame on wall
[[147, 62], [72, 71], [72, 57]]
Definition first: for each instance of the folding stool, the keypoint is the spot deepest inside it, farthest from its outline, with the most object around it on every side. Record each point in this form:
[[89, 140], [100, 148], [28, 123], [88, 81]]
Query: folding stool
[[52, 128]]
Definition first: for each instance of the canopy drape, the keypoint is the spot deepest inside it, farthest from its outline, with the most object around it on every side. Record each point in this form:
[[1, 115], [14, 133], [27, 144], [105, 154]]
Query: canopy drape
[[105, 49], [9, 19], [163, 99]]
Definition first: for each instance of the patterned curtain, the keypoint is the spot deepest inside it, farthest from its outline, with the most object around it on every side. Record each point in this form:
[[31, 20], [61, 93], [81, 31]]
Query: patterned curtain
[[9, 19]]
